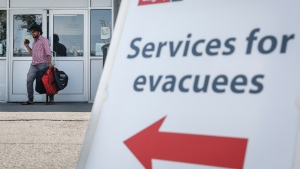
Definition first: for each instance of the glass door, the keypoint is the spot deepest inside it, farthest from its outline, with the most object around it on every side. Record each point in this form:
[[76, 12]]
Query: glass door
[[19, 58], [68, 35]]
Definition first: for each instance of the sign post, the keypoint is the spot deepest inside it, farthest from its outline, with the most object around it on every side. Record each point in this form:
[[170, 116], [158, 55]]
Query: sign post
[[199, 84]]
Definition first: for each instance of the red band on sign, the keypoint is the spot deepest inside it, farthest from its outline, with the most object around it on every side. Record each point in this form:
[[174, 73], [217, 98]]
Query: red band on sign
[[148, 2]]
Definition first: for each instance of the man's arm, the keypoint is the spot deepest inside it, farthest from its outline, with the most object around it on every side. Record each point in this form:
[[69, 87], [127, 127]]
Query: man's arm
[[47, 52], [50, 61]]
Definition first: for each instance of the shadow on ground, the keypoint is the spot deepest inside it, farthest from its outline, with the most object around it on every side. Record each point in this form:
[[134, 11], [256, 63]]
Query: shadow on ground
[[41, 107]]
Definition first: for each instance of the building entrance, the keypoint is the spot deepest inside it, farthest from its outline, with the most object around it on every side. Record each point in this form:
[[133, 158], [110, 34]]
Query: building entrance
[[67, 32]]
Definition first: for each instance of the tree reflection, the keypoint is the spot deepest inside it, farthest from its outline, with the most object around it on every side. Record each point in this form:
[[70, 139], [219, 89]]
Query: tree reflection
[[29, 20], [22, 25]]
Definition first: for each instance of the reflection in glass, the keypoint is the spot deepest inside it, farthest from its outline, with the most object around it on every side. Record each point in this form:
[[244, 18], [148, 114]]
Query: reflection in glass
[[70, 30], [21, 25], [2, 33], [59, 48], [100, 30]]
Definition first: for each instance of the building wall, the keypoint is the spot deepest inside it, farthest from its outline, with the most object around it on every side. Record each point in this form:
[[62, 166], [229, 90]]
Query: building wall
[[49, 4], [3, 3], [95, 63], [102, 3], [57, 3]]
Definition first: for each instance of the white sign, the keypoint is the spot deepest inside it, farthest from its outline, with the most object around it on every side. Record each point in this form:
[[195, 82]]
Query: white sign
[[199, 85], [105, 33]]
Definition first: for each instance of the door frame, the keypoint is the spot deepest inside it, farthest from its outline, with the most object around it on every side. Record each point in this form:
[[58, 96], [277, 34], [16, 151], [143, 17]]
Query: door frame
[[22, 96], [47, 27], [84, 58]]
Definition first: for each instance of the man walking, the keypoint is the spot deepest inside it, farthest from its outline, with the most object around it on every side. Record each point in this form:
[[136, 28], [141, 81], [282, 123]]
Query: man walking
[[41, 58]]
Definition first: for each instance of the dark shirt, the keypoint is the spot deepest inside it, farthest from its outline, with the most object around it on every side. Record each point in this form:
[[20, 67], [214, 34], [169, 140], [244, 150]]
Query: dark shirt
[[60, 49]]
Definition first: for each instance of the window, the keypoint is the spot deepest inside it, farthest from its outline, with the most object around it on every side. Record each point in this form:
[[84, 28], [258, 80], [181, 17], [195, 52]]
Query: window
[[2, 33], [68, 35], [100, 30], [22, 24]]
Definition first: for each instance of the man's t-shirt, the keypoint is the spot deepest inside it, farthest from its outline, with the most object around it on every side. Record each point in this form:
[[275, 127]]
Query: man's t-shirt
[[40, 50]]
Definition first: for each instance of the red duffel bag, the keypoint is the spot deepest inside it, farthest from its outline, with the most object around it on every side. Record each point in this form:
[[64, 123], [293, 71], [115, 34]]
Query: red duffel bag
[[49, 82]]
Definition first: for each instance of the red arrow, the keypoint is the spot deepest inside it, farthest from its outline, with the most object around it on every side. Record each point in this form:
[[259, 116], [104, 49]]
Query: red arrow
[[198, 149]]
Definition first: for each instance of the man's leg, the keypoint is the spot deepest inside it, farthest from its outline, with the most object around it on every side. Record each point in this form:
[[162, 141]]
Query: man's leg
[[51, 97], [31, 75], [51, 102]]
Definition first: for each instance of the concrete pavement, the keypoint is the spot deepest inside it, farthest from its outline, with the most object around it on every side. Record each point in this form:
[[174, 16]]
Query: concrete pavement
[[41, 107], [42, 136]]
